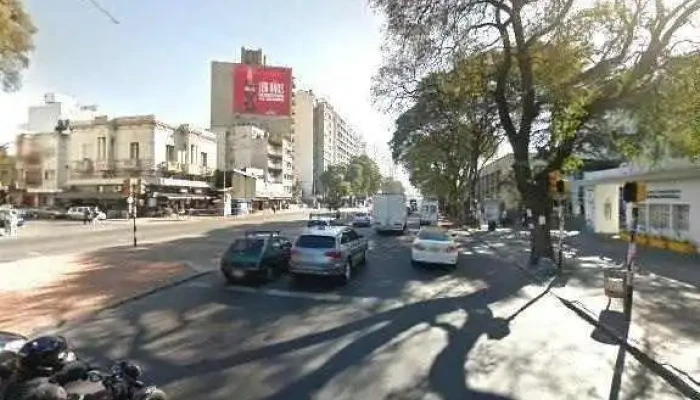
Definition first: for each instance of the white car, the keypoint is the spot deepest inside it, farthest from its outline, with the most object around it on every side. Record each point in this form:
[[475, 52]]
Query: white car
[[78, 213], [362, 219], [434, 246]]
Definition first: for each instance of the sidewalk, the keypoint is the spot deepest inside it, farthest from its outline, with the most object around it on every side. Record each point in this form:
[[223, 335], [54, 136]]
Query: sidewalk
[[666, 308]]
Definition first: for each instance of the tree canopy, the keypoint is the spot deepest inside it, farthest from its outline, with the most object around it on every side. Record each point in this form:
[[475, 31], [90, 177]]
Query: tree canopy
[[359, 178], [560, 67], [16, 32], [448, 133]]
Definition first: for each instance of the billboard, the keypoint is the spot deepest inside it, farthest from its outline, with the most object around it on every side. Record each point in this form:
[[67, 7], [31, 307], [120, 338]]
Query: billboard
[[262, 90]]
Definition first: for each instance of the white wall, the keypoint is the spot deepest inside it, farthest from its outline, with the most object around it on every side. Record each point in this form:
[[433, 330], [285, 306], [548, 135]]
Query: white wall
[[304, 141], [162, 137], [688, 192]]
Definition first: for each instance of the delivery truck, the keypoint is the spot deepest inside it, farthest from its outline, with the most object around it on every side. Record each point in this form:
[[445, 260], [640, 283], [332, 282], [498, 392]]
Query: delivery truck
[[390, 213]]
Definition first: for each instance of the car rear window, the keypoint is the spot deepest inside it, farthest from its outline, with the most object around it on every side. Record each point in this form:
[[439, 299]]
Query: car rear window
[[316, 242], [433, 235], [246, 246]]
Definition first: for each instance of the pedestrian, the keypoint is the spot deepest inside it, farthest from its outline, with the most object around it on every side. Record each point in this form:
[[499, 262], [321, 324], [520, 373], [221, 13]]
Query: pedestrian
[[274, 209], [86, 216], [14, 222]]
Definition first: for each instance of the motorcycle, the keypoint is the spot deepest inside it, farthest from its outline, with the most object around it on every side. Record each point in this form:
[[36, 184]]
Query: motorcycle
[[121, 382]]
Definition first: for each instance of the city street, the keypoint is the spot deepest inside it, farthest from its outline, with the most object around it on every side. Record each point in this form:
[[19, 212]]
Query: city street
[[395, 332]]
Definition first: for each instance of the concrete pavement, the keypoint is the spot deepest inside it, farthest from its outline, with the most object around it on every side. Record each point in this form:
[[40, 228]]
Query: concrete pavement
[[665, 318], [483, 331]]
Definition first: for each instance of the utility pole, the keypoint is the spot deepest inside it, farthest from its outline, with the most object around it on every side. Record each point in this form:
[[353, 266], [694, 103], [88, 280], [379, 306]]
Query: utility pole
[[633, 193]]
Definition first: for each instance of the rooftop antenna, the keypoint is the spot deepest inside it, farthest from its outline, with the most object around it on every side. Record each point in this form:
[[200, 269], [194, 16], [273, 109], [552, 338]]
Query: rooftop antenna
[[103, 11]]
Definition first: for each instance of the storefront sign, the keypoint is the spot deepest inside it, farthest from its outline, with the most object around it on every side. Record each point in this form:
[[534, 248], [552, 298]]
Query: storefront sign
[[664, 194]]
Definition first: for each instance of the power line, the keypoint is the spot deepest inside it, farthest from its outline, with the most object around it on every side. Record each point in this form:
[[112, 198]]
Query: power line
[[103, 11]]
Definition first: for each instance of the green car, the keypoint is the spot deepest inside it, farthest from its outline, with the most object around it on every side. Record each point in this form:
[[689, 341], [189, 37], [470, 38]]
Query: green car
[[260, 255]]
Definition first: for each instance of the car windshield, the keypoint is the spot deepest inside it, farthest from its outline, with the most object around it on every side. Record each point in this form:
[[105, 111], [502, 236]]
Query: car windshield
[[316, 242], [246, 246], [361, 215], [437, 236]]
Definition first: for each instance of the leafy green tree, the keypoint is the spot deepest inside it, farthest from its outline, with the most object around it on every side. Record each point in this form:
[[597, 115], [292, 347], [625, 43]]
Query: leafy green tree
[[16, 33], [371, 177], [392, 186], [444, 139], [561, 66]]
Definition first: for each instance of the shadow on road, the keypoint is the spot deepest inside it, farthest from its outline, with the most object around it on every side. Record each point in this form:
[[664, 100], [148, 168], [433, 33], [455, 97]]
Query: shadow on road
[[174, 351]]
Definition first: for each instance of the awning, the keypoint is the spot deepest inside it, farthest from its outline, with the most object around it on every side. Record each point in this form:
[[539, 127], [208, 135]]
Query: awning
[[178, 197], [89, 196]]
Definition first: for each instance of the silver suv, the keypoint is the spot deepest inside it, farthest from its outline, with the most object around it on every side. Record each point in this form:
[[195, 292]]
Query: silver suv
[[328, 251]]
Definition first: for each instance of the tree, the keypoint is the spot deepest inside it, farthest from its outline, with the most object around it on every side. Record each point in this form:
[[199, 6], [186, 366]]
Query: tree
[[444, 139], [560, 64], [392, 186], [16, 32], [333, 185], [364, 176]]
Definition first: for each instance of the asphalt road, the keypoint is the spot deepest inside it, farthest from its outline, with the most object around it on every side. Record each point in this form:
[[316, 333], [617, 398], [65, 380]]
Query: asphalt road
[[482, 331], [45, 238]]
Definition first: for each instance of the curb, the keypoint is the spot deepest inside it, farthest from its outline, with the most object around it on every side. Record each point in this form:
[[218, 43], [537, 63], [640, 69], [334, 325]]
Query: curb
[[672, 378], [64, 324]]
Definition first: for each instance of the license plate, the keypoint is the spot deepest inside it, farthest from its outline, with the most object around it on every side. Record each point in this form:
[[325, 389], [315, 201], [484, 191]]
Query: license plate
[[238, 273]]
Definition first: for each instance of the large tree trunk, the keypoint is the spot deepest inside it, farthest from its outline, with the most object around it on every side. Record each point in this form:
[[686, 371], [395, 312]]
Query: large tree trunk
[[540, 203]]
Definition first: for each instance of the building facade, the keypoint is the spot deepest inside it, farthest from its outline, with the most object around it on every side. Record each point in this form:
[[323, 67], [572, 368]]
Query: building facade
[[57, 107], [305, 102], [335, 141], [90, 161], [41, 167], [248, 147], [672, 207]]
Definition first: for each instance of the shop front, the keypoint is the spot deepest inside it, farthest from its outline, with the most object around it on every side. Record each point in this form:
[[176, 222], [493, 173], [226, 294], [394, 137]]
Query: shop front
[[670, 213]]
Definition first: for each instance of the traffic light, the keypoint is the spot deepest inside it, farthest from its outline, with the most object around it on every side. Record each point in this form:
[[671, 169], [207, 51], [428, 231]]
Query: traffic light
[[553, 178], [562, 186], [634, 192]]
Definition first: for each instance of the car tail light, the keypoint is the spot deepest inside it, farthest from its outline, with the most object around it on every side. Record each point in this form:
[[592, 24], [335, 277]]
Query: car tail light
[[451, 249], [334, 254], [419, 247]]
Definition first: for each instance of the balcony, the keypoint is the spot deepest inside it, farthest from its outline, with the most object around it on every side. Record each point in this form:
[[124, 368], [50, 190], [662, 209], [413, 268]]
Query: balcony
[[274, 151], [173, 166], [273, 165]]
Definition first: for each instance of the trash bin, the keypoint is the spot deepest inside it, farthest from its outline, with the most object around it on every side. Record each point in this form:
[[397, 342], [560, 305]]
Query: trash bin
[[614, 282]]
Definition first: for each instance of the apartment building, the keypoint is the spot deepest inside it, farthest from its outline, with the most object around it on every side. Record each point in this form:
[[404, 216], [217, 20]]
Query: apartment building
[[41, 167], [57, 107], [174, 163], [497, 181], [335, 141], [305, 102], [247, 147]]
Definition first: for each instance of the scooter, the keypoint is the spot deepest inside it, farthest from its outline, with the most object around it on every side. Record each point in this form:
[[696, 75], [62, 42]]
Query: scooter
[[122, 382]]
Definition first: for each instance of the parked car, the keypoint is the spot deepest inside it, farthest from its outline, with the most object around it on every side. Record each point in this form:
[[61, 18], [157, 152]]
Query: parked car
[[362, 219], [78, 213], [49, 213], [434, 246], [4, 214], [328, 251], [259, 254]]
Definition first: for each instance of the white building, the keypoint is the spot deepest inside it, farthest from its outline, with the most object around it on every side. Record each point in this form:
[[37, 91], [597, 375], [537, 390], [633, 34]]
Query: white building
[[335, 141], [44, 117], [305, 102], [672, 208], [248, 147], [173, 162]]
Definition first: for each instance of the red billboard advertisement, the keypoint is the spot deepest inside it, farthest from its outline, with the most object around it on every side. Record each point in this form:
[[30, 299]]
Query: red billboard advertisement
[[262, 90]]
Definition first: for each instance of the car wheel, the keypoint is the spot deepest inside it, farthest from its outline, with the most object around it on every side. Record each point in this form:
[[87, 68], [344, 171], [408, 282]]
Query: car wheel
[[347, 272], [229, 279]]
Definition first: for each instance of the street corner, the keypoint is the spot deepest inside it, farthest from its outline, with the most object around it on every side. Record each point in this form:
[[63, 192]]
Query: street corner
[[50, 291]]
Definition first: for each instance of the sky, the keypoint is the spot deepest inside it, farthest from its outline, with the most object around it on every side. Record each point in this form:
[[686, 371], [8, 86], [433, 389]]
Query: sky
[[157, 59]]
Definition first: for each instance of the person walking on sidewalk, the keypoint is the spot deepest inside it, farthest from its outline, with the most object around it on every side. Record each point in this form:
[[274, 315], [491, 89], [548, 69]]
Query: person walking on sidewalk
[[86, 216]]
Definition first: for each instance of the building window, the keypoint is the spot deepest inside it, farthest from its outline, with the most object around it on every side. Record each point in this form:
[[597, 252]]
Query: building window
[[49, 175], [134, 150], [681, 217], [659, 216], [193, 154], [642, 218], [203, 159], [170, 153], [101, 148]]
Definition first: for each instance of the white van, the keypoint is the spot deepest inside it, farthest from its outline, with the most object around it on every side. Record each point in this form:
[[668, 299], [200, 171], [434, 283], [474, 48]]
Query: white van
[[429, 213]]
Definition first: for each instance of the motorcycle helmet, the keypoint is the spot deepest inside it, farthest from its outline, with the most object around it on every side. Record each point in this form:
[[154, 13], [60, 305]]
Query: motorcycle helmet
[[44, 355]]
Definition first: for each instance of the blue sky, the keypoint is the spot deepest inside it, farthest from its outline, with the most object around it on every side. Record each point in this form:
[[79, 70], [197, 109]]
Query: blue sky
[[157, 59]]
